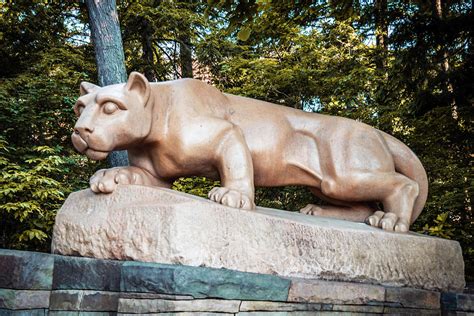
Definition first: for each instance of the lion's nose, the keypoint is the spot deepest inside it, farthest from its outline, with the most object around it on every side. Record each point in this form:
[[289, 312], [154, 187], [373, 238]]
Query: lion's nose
[[83, 130]]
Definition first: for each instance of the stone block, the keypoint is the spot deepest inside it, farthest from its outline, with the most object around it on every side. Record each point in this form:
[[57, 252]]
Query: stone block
[[159, 225], [319, 291], [86, 274], [145, 306], [201, 282], [24, 299], [457, 302], [365, 309], [180, 314], [77, 313], [413, 298], [327, 307], [24, 312], [410, 311], [248, 306], [84, 300], [296, 313], [155, 296], [465, 302], [25, 270], [67, 300]]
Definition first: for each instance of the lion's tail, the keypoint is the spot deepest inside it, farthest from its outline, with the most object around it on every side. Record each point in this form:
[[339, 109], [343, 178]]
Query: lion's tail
[[408, 164]]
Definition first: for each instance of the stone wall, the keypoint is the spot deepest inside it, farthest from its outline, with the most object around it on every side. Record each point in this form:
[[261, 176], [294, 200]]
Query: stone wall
[[43, 284]]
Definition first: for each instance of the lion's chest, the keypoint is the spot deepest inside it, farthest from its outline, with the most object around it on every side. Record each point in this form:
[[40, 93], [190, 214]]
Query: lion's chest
[[171, 161]]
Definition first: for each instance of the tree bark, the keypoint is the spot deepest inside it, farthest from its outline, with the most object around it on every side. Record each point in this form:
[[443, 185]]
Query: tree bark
[[107, 40], [445, 67], [381, 32], [185, 57], [439, 15], [148, 56]]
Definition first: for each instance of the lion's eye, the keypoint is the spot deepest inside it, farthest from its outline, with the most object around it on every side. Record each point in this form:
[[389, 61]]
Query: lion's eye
[[110, 108]]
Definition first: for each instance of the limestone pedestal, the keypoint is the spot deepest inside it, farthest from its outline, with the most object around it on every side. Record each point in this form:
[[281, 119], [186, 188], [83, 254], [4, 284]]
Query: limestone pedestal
[[164, 226]]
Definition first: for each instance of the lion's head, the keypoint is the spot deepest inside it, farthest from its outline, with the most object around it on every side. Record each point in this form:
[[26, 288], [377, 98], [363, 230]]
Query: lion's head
[[111, 118]]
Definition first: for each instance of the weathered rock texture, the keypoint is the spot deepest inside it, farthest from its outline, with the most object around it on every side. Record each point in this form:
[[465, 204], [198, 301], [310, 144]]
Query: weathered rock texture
[[159, 225]]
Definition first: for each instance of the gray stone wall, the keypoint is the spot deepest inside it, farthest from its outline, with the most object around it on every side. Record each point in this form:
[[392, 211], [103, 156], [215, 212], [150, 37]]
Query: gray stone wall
[[43, 284]]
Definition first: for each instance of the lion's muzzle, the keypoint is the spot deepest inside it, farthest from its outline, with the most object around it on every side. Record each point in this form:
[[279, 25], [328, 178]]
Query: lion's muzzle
[[79, 143]]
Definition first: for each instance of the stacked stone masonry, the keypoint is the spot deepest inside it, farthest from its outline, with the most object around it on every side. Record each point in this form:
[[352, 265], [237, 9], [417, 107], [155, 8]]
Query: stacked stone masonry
[[43, 284]]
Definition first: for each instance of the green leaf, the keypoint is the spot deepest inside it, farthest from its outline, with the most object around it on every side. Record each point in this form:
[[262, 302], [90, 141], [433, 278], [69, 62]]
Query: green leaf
[[244, 33]]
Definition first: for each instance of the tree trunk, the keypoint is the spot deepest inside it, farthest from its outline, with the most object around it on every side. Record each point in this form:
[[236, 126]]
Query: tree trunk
[[185, 57], [445, 67], [147, 47], [381, 32], [107, 40], [444, 54]]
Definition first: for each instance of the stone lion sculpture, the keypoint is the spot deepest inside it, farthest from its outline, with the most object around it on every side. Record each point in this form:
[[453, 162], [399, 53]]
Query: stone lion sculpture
[[186, 127]]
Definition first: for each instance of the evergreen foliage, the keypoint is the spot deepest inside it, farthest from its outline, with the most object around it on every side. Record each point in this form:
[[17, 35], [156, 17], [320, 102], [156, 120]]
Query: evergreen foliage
[[41, 72], [405, 68]]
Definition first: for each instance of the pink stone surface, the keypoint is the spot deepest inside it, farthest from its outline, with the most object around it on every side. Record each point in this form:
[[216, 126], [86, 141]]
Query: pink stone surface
[[160, 225]]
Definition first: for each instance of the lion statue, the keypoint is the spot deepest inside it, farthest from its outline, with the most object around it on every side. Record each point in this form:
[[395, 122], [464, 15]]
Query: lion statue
[[186, 127]]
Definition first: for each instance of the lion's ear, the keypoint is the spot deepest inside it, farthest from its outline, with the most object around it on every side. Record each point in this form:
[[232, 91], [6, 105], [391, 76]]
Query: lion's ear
[[87, 87], [138, 83]]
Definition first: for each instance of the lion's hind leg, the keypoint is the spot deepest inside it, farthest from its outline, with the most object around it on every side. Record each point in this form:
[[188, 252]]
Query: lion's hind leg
[[355, 211], [398, 206], [396, 192]]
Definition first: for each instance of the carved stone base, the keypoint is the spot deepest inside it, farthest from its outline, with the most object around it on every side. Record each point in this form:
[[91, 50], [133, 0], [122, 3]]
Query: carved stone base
[[159, 225]]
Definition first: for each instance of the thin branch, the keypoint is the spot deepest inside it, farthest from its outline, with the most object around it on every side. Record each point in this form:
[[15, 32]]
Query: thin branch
[[172, 60]]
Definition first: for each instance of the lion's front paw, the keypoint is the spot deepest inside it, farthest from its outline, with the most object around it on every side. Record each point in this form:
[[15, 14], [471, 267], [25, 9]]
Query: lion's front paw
[[231, 198], [106, 180]]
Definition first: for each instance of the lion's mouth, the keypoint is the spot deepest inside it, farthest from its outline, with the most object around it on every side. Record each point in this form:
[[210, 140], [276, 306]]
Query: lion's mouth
[[96, 154], [83, 147]]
